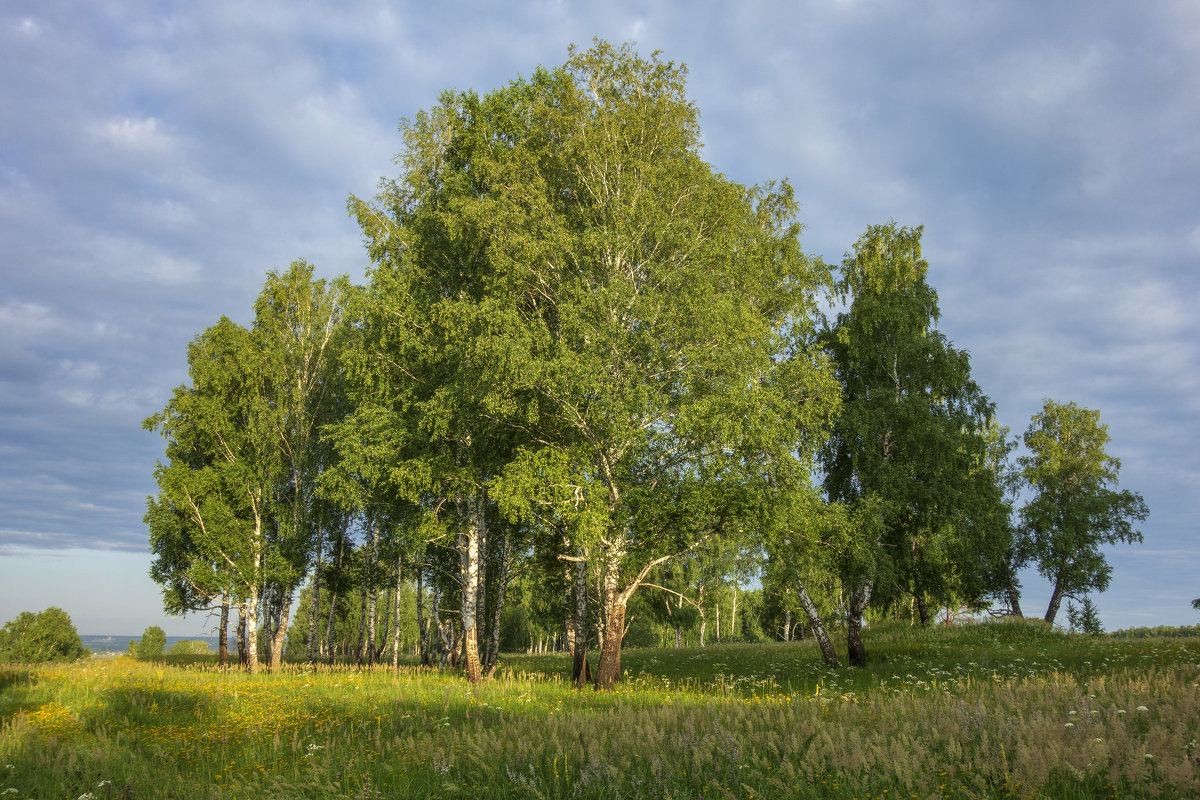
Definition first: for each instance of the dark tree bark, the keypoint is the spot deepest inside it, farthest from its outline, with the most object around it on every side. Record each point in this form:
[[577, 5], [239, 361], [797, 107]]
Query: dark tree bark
[[859, 600], [223, 634]]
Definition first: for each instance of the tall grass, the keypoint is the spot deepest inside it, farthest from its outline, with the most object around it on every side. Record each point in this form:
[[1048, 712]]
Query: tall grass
[[982, 711]]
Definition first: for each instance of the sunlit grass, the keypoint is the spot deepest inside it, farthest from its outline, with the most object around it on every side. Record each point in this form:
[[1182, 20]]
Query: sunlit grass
[[985, 711]]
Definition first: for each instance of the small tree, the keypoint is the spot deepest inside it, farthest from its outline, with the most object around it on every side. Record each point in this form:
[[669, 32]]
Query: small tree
[[1084, 617], [151, 645], [1075, 507], [36, 638]]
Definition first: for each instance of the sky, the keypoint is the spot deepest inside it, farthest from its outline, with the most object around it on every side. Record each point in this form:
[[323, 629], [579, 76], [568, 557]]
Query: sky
[[158, 158]]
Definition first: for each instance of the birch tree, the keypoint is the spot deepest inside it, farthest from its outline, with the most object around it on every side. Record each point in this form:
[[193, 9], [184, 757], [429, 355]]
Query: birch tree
[[909, 441], [1076, 508]]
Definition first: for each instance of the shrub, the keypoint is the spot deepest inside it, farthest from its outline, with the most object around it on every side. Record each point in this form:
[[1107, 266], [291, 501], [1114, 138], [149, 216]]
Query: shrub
[[151, 645], [189, 647], [36, 638]]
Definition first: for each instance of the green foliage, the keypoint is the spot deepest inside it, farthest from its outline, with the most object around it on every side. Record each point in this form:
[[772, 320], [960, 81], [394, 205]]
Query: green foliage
[[36, 638], [1074, 510], [911, 438], [1159, 631], [189, 647], [151, 645], [1085, 618]]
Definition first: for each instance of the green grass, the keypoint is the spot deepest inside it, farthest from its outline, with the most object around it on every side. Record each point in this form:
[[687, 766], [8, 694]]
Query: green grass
[[997, 710]]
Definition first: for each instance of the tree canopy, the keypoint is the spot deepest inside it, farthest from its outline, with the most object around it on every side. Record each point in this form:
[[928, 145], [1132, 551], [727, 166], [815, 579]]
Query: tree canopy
[[34, 638]]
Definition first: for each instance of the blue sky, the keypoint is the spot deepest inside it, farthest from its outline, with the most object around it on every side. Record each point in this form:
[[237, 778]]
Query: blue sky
[[158, 158]]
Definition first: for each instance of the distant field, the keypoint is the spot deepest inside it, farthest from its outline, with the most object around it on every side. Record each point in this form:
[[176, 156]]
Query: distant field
[[997, 710]]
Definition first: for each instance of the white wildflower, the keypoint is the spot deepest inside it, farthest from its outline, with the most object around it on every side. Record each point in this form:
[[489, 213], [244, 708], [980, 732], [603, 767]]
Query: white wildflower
[[87, 796], [1142, 708], [1068, 725], [1072, 713], [1098, 740], [1120, 711], [1149, 757]]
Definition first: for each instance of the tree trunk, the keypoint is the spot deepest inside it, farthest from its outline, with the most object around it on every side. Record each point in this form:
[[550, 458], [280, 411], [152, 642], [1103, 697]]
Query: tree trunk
[[858, 604], [922, 609], [330, 631], [581, 669], [787, 625], [372, 593], [243, 644], [1055, 601], [314, 607], [223, 633], [501, 581], [717, 624], [396, 623], [733, 615], [1014, 601], [422, 629], [472, 517], [609, 671], [818, 628], [252, 631], [275, 658], [568, 606]]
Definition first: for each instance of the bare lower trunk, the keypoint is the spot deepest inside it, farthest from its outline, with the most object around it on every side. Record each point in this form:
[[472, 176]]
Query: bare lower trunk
[[396, 624], [223, 634], [609, 670], [733, 614], [315, 605], [422, 630], [1055, 601], [1014, 601], [787, 625], [922, 609], [472, 517], [372, 594], [581, 670], [330, 644], [252, 631], [717, 624], [275, 657], [501, 579], [859, 599], [438, 645], [243, 645], [818, 628]]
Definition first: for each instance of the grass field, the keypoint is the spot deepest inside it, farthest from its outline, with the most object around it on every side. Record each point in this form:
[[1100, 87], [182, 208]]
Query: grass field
[[981, 711]]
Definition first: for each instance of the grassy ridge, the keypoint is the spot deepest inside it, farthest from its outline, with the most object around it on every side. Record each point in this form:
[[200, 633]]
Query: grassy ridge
[[999, 710]]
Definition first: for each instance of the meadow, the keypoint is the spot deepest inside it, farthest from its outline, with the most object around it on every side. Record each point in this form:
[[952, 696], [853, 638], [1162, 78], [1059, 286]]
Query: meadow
[[995, 710]]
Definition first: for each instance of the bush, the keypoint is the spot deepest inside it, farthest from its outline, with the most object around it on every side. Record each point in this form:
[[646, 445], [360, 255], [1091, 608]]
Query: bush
[[190, 647], [151, 645], [37, 638]]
